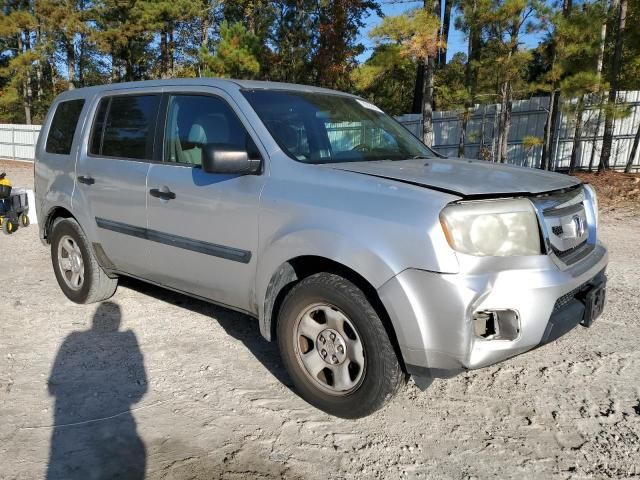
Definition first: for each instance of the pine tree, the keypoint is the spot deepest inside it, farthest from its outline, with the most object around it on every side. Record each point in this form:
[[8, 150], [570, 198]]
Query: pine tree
[[618, 11], [235, 54], [18, 24]]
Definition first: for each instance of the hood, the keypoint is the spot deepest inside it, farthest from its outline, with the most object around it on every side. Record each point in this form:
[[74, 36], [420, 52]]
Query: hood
[[468, 178]]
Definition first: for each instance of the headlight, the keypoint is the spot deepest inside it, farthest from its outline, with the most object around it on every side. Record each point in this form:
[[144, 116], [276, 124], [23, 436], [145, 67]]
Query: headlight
[[591, 194], [498, 228]]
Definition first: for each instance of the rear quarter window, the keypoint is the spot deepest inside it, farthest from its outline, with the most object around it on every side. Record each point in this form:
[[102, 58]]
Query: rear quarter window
[[124, 127], [63, 127]]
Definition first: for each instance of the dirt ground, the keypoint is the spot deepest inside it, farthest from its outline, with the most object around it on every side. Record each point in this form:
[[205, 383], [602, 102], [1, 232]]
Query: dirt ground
[[193, 392]]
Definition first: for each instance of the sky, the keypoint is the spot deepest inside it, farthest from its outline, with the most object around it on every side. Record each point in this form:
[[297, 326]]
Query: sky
[[457, 40]]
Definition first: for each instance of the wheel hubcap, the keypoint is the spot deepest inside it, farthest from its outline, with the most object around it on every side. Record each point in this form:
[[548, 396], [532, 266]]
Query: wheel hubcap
[[332, 346], [71, 262], [329, 349]]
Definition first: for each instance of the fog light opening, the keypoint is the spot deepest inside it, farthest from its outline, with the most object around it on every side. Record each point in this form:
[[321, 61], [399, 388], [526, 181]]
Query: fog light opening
[[496, 324]]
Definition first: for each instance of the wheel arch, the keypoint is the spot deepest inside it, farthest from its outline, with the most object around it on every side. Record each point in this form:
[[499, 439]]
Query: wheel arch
[[52, 215], [296, 269]]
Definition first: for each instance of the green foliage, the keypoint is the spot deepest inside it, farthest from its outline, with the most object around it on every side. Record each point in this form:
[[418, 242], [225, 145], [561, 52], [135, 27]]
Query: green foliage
[[530, 141], [386, 79], [416, 32], [51, 45], [235, 53], [451, 91]]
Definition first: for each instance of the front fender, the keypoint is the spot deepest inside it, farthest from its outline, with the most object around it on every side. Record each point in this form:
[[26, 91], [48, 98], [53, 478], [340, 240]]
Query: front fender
[[272, 273]]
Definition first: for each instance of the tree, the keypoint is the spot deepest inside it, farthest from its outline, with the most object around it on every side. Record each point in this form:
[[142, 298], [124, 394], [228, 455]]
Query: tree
[[577, 52], [386, 79], [163, 17], [294, 41], [339, 22], [121, 35], [508, 19], [66, 22], [415, 32], [619, 13], [472, 23], [19, 24], [235, 53]]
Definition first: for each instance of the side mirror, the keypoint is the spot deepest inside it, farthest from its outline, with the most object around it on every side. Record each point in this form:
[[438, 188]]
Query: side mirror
[[224, 158]]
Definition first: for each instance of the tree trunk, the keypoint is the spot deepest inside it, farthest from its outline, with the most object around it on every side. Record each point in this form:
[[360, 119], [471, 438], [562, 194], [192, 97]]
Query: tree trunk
[[470, 78], [607, 139], [634, 150], [599, 67], [427, 104], [577, 137], [82, 54], [444, 32], [114, 68], [24, 46], [505, 122], [417, 91], [172, 47], [427, 88], [463, 132], [594, 139], [38, 68], [164, 54], [550, 130], [551, 123], [71, 63]]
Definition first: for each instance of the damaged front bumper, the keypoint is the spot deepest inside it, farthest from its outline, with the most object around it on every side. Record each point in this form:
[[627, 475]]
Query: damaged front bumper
[[495, 308]]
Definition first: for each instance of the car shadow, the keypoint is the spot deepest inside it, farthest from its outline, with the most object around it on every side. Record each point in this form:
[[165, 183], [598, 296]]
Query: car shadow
[[238, 325], [97, 375]]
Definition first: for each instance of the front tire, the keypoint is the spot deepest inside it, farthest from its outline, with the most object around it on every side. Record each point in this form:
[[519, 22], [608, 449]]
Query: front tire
[[8, 227], [336, 348], [78, 273]]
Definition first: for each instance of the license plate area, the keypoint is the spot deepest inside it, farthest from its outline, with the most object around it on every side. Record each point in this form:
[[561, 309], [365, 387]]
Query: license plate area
[[594, 300]]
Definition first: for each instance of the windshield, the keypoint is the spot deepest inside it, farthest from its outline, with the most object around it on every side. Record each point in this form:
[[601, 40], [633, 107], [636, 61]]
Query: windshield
[[325, 128]]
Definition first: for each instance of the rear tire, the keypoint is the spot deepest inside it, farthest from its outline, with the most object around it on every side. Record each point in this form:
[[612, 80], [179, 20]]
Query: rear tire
[[361, 371], [8, 227], [79, 275]]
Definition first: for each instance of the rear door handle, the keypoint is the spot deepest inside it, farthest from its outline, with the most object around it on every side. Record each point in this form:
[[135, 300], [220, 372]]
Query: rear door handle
[[154, 192], [86, 180]]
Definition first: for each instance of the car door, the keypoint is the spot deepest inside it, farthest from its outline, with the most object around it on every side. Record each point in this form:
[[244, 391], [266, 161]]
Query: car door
[[111, 176], [203, 226]]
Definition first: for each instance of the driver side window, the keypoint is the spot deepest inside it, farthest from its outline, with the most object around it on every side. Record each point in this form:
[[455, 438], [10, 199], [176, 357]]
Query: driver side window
[[194, 121]]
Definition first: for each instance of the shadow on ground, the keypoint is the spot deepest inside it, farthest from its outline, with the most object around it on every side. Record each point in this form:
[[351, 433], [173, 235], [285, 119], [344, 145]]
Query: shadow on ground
[[98, 374], [239, 326]]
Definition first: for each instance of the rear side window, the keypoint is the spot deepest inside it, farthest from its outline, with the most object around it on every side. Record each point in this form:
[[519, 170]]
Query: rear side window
[[124, 127], [63, 127]]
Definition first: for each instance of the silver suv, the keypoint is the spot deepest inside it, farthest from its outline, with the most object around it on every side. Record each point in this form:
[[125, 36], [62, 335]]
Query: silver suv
[[365, 254]]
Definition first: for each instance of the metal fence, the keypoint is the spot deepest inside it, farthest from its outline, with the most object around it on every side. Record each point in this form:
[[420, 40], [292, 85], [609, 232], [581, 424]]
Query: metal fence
[[528, 120], [18, 142]]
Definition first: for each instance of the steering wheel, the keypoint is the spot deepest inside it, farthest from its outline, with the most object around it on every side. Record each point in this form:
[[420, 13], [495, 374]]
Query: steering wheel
[[361, 147]]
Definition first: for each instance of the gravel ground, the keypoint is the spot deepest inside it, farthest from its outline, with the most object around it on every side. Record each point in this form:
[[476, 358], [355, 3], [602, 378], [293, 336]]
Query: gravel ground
[[192, 391]]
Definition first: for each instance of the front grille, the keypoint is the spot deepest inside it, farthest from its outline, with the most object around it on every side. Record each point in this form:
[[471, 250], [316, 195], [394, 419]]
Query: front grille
[[567, 298], [564, 216], [577, 292], [570, 251]]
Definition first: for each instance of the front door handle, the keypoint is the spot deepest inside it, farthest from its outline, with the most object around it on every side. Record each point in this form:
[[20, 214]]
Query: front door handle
[[169, 195], [86, 180]]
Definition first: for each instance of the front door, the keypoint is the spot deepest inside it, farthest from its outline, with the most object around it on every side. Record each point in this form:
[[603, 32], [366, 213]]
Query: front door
[[203, 227], [111, 179]]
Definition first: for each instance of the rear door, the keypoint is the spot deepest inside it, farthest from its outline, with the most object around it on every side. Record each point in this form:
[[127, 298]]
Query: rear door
[[205, 229], [111, 178]]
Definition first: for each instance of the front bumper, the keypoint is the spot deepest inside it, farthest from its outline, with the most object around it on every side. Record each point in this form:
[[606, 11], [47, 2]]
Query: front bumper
[[432, 312]]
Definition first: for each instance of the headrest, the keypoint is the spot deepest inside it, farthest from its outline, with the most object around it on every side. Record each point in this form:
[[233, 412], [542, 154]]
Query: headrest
[[210, 128]]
